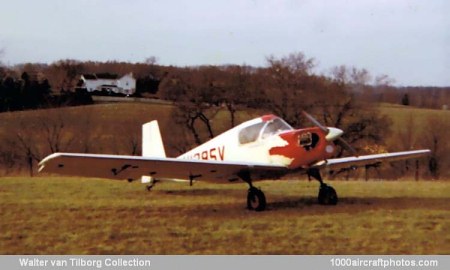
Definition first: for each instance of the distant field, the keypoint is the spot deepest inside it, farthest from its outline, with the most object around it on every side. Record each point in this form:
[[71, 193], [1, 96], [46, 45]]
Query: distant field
[[109, 126], [400, 115], [107, 117], [93, 216], [100, 115]]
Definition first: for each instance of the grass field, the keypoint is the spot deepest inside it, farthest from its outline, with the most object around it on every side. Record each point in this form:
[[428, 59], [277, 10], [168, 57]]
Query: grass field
[[400, 112], [401, 115], [94, 216]]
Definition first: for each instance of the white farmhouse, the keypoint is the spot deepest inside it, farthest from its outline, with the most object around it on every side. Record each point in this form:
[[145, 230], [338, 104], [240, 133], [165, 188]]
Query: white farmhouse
[[110, 83]]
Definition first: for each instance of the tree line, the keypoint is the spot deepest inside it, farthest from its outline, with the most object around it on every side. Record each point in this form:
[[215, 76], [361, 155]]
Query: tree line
[[62, 77]]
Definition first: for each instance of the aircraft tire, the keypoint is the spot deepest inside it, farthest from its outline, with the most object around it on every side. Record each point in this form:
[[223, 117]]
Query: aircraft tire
[[256, 200], [327, 195]]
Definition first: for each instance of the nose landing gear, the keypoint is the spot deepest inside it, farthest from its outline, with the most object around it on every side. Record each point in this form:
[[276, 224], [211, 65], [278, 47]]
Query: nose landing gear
[[327, 194]]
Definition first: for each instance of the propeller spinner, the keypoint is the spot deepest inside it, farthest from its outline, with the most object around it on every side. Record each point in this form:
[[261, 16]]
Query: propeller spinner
[[333, 134]]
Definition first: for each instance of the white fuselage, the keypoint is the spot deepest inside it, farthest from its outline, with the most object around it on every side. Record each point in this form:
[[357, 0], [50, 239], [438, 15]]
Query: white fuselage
[[229, 146]]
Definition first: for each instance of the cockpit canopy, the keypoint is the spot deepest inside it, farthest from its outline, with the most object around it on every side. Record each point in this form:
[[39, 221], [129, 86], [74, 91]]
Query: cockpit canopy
[[263, 130]]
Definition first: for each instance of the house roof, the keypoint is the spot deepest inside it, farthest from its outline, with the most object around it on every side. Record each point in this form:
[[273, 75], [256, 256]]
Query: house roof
[[90, 76], [107, 76]]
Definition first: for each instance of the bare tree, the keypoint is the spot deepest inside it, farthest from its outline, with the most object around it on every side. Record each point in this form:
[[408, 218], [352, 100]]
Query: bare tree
[[196, 94], [128, 140], [235, 90], [435, 138], [295, 63], [85, 140], [26, 141], [340, 74], [194, 114], [2, 52], [55, 128], [63, 74], [9, 154], [151, 60], [287, 83], [46, 132], [384, 80]]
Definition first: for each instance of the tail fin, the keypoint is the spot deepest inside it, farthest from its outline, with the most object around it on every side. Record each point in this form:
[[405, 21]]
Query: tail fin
[[152, 144]]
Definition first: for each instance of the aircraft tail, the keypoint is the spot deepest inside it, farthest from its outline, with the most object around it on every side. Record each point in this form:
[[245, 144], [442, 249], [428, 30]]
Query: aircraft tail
[[152, 144]]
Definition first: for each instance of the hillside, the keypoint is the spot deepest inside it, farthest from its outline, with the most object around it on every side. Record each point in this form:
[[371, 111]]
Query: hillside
[[114, 115], [116, 128], [400, 115], [100, 115]]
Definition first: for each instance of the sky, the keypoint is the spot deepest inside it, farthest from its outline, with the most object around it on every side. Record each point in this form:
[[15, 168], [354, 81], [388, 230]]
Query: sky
[[406, 40]]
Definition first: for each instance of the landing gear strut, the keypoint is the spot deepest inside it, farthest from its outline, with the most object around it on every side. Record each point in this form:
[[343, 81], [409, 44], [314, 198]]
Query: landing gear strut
[[149, 187], [151, 184], [327, 195], [256, 200]]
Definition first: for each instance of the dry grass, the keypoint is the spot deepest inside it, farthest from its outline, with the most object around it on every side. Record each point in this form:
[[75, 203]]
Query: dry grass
[[93, 216]]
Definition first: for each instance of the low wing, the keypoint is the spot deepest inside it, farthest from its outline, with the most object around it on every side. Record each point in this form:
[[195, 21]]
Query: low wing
[[133, 167], [349, 162]]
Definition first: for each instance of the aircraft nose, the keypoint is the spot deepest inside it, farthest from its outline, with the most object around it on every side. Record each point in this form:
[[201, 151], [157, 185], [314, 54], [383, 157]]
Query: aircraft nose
[[333, 133]]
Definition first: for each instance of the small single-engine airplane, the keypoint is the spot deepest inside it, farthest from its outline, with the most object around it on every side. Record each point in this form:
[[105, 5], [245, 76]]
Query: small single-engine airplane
[[263, 148]]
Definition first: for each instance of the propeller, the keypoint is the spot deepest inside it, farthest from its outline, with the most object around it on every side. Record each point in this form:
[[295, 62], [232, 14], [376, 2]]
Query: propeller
[[332, 133]]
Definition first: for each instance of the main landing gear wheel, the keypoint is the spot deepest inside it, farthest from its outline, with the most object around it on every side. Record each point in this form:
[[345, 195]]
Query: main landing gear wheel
[[256, 199], [327, 195]]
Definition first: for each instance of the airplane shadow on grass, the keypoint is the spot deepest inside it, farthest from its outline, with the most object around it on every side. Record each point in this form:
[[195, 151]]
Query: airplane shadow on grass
[[201, 192], [352, 204], [309, 203]]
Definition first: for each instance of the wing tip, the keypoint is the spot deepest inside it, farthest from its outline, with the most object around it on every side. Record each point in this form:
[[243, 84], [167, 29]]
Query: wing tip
[[42, 164]]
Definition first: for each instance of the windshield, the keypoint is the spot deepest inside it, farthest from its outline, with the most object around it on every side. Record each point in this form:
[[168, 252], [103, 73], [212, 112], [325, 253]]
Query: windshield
[[251, 133], [275, 126]]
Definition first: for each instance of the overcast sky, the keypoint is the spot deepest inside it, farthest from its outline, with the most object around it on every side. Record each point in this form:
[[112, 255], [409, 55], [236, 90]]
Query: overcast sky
[[407, 40]]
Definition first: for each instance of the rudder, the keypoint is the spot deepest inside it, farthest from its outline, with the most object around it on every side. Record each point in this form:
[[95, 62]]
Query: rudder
[[152, 144]]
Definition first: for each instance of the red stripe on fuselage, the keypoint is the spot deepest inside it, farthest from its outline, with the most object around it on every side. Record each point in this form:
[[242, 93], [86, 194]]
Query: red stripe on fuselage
[[302, 156]]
